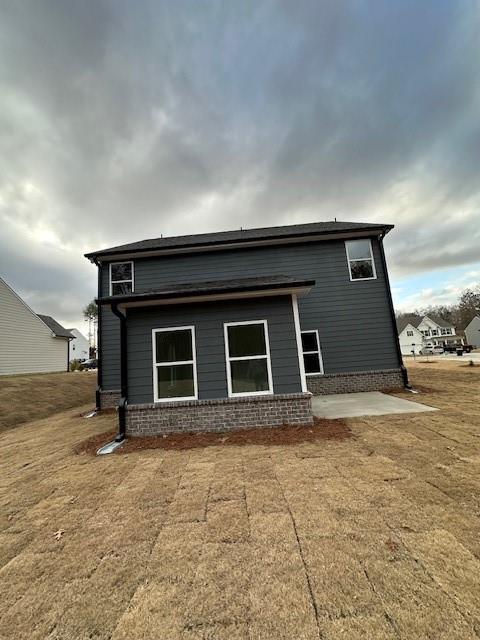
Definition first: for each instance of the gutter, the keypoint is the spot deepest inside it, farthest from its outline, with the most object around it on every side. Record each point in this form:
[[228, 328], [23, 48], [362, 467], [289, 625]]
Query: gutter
[[406, 382], [122, 405], [99, 342]]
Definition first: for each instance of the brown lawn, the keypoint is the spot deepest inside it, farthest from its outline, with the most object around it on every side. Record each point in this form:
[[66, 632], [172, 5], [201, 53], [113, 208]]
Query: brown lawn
[[374, 536], [29, 397]]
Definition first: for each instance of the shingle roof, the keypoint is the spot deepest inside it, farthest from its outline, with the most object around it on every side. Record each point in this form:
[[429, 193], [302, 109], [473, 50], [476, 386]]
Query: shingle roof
[[415, 320], [242, 235], [411, 318], [53, 325], [211, 287]]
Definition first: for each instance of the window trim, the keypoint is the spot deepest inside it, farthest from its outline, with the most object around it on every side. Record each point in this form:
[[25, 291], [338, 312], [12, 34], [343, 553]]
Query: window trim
[[374, 269], [132, 279], [319, 352], [155, 364], [228, 360]]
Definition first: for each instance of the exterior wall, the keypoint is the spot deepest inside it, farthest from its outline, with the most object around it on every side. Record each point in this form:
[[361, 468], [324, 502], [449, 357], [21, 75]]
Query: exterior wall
[[353, 318], [208, 319], [355, 382], [26, 343], [219, 415], [406, 341], [79, 347], [472, 332]]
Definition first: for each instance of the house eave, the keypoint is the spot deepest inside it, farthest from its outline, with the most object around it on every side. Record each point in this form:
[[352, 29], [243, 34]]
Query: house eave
[[109, 256]]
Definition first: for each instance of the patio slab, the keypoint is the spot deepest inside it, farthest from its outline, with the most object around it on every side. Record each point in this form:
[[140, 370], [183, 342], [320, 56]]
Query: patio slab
[[370, 403]]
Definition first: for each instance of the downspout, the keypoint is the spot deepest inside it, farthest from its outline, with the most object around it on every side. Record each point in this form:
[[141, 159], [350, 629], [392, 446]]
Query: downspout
[[122, 405], [406, 382], [99, 340]]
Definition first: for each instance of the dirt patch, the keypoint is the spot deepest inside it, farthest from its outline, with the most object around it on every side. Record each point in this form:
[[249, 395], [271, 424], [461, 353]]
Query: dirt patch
[[287, 435]]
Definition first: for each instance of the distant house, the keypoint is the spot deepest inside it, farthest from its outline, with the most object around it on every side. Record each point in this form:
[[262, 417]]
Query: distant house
[[472, 332], [79, 346], [416, 332], [29, 343]]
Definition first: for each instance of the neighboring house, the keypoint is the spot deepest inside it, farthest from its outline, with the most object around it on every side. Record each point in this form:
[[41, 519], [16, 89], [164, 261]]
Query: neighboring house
[[416, 332], [472, 332], [234, 329], [29, 343], [79, 347]]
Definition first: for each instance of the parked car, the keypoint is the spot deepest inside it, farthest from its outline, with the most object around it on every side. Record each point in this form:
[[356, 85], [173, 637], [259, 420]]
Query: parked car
[[432, 350], [89, 364]]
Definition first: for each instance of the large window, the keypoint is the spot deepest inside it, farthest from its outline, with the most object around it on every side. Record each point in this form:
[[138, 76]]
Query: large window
[[174, 364], [121, 278], [249, 370], [360, 260], [312, 357]]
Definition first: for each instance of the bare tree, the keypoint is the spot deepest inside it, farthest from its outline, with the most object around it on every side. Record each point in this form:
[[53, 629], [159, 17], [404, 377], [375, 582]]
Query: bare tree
[[90, 313]]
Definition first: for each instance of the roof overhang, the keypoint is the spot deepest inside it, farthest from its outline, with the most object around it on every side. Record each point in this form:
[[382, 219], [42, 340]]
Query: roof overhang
[[240, 244], [203, 294]]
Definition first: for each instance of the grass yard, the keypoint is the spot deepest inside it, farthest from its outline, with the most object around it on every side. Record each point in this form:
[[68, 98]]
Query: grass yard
[[29, 397], [374, 536]]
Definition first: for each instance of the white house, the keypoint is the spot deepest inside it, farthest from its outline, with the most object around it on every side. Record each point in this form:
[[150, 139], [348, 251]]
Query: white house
[[29, 343], [79, 347], [472, 332], [416, 332]]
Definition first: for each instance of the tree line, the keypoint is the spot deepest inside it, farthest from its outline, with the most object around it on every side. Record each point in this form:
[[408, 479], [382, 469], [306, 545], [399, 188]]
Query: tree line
[[458, 314]]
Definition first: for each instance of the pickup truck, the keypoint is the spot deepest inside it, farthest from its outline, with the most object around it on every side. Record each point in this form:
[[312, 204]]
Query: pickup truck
[[452, 348]]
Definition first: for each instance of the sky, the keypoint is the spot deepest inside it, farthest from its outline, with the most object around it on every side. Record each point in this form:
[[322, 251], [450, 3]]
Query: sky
[[126, 120]]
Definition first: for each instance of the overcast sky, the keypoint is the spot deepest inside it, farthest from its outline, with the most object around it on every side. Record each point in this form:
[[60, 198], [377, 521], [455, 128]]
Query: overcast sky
[[125, 120]]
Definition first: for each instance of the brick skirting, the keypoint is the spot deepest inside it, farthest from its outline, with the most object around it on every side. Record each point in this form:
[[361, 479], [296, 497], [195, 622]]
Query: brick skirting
[[226, 414], [109, 399], [355, 381]]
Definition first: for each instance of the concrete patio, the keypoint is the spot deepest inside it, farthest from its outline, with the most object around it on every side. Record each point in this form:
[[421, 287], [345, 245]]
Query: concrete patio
[[371, 403]]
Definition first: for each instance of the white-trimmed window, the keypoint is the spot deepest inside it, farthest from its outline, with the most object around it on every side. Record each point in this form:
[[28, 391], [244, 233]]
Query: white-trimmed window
[[121, 278], [361, 264], [312, 356], [174, 364], [247, 350], [434, 332], [410, 333]]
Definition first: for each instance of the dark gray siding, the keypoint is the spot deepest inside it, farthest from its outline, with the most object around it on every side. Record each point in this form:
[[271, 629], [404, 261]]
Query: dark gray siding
[[353, 318], [208, 319]]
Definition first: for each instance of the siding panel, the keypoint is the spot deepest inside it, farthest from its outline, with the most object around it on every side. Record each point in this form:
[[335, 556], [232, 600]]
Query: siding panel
[[26, 343], [353, 318], [208, 319]]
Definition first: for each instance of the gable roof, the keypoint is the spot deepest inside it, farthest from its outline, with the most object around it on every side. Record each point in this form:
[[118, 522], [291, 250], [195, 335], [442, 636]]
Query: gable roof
[[415, 319], [55, 327], [242, 236], [411, 318]]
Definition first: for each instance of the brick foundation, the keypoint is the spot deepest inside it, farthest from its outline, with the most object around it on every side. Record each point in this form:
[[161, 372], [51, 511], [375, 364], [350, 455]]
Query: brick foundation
[[109, 399], [219, 415], [355, 381]]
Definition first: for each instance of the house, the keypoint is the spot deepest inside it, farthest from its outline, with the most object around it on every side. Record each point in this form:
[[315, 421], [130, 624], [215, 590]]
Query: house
[[29, 343], [79, 347], [472, 332], [238, 328], [416, 332]]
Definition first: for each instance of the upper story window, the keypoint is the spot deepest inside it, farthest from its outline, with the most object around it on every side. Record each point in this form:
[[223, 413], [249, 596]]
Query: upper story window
[[446, 332], [410, 333], [434, 332], [121, 278], [360, 260]]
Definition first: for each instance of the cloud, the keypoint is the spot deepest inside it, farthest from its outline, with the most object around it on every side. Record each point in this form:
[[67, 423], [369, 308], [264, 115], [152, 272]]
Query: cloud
[[128, 120]]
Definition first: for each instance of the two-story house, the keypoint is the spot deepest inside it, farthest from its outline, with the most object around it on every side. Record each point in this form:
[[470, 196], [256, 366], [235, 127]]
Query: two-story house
[[417, 332], [235, 329]]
